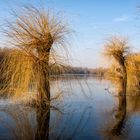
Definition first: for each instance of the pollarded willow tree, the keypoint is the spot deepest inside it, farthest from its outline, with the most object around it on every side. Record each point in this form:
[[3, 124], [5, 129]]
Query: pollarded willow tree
[[118, 49], [36, 34]]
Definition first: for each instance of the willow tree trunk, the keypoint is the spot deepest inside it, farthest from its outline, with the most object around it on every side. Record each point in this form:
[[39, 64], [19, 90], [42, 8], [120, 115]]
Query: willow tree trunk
[[43, 51], [44, 83], [124, 80]]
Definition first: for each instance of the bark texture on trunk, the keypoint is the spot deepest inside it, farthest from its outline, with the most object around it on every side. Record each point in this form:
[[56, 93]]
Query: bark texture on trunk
[[44, 85], [43, 70]]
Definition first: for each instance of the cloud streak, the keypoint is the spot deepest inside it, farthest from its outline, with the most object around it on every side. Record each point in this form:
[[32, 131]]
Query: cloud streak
[[121, 19]]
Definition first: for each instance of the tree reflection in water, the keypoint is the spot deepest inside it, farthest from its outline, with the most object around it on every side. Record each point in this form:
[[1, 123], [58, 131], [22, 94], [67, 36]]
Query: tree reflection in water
[[121, 111], [28, 124], [73, 122], [121, 127], [118, 124], [120, 116], [19, 122], [43, 119]]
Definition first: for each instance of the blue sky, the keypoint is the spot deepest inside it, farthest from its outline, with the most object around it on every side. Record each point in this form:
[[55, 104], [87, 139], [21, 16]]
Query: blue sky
[[93, 22]]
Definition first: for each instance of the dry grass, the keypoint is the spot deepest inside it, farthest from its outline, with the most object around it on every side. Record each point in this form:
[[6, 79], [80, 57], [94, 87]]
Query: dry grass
[[134, 74]]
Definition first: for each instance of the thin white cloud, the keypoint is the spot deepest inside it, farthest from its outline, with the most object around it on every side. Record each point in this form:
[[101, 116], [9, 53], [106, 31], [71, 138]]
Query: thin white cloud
[[121, 19]]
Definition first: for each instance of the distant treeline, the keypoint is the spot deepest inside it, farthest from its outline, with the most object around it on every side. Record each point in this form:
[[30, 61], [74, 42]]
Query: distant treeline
[[80, 70], [56, 70]]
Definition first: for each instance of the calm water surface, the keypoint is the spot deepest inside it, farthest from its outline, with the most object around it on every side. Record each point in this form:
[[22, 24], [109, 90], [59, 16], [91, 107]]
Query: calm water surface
[[87, 109]]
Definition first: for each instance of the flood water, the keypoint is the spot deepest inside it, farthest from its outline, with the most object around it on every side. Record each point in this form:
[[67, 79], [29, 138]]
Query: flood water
[[88, 108]]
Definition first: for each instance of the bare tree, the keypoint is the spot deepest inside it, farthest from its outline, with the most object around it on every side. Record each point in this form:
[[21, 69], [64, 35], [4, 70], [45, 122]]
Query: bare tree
[[118, 49]]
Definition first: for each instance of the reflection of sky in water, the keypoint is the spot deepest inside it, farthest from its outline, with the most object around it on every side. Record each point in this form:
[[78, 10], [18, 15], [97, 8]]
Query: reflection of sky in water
[[82, 115]]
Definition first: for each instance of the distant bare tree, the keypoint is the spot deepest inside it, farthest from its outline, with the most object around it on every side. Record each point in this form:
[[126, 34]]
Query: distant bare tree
[[118, 49]]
